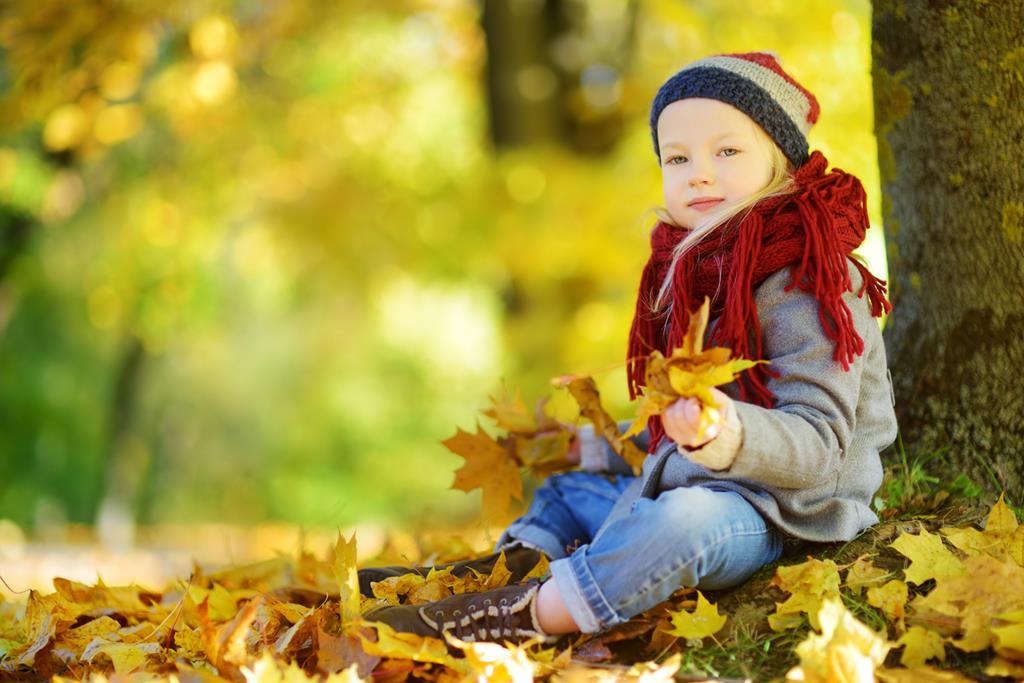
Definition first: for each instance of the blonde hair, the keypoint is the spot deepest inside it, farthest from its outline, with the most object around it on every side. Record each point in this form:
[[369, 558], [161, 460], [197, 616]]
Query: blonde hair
[[780, 183]]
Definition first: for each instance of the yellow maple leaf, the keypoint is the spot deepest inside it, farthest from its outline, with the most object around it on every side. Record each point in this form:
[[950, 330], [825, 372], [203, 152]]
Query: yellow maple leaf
[[545, 453], [986, 587], [703, 621], [890, 598], [77, 639], [1009, 639], [1003, 537], [540, 570], [919, 645], [846, 650], [45, 615], [510, 413], [345, 573], [488, 467], [969, 541], [126, 657], [221, 604], [690, 371], [390, 643], [126, 600], [929, 558], [584, 391], [1001, 519], [863, 573], [391, 589], [809, 584]]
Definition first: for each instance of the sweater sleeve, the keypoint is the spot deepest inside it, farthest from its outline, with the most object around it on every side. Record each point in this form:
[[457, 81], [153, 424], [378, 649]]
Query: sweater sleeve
[[800, 441], [596, 455]]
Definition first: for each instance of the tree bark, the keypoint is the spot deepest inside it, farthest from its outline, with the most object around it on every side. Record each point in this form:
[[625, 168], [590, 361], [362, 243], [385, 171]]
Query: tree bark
[[949, 95]]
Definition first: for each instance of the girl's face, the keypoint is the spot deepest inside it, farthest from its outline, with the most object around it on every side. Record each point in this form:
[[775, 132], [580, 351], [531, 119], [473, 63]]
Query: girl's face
[[712, 156]]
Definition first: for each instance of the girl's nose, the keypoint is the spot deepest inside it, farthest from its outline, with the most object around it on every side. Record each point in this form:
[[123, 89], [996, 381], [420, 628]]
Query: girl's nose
[[702, 174]]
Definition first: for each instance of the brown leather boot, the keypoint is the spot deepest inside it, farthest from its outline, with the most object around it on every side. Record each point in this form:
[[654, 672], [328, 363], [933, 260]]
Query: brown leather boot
[[519, 560], [500, 614]]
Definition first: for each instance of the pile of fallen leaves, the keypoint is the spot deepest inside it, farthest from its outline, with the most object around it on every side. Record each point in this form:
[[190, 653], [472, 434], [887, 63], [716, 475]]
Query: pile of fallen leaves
[[297, 618], [960, 590]]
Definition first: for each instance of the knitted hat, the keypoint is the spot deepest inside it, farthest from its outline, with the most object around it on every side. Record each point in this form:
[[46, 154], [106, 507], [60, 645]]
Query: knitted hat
[[754, 83]]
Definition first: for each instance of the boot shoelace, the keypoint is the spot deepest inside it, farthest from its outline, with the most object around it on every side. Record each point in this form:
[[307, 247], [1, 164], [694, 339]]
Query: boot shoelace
[[503, 621]]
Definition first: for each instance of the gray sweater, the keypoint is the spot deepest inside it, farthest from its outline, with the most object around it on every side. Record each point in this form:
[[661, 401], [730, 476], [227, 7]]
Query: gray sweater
[[811, 464]]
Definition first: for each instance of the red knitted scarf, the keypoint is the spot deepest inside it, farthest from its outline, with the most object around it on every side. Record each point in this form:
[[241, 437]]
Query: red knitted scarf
[[812, 231]]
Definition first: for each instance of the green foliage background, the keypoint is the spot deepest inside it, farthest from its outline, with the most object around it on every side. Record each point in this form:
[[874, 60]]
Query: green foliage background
[[295, 210]]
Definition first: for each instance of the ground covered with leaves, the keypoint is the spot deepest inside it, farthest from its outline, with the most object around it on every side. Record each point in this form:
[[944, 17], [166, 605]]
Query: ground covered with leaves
[[913, 600]]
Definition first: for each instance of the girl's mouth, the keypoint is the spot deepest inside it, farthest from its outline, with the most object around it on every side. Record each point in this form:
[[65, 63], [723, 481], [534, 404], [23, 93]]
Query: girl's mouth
[[704, 204]]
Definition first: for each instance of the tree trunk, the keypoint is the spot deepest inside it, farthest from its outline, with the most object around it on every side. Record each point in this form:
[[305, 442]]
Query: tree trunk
[[949, 95], [127, 457], [555, 72]]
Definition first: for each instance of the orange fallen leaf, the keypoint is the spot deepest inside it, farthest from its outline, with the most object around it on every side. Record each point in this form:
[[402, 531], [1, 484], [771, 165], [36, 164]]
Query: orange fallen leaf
[[488, 468], [584, 390]]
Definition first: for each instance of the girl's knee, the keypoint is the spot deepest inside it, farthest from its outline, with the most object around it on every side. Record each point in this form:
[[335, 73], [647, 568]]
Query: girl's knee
[[699, 515]]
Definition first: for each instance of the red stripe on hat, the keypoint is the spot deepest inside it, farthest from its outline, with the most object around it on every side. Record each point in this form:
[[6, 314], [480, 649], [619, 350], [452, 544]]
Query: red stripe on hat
[[770, 62]]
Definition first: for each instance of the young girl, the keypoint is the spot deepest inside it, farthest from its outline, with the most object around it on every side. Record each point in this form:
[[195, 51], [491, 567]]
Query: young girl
[[756, 223]]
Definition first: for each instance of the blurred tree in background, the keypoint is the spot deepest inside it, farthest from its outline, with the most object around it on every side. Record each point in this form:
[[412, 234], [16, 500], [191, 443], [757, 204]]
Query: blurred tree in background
[[258, 258]]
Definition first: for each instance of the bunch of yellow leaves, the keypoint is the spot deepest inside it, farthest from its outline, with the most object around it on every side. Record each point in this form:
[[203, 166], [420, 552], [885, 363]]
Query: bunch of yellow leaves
[[689, 372], [533, 441]]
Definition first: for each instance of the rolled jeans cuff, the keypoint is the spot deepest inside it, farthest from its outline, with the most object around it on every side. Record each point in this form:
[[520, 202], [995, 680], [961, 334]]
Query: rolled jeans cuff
[[581, 596]]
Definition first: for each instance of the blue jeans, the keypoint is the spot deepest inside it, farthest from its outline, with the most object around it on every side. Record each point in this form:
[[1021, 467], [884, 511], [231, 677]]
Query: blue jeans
[[612, 560]]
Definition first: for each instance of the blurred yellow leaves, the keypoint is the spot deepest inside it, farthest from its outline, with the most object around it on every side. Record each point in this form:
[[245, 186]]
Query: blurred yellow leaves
[[66, 127], [213, 37], [845, 651], [213, 82], [120, 80], [810, 585], [117, 123]]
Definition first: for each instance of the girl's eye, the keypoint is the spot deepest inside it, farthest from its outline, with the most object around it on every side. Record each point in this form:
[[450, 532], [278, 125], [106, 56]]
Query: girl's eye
[[675, 160], [730, 151]]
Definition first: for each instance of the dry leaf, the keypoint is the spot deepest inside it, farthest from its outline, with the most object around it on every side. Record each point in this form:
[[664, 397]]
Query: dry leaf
[[702, 622], [890, 598], [929, 558], [689, 372], [489, 468], [846, 650], [985, 588], [345, 573], [864, 573], [510, 413], [809, 585], [584, 390], [920, 645]]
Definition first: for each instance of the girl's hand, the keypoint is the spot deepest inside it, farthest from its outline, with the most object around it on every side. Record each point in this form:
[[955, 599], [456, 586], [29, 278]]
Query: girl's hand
[[682, 420]]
